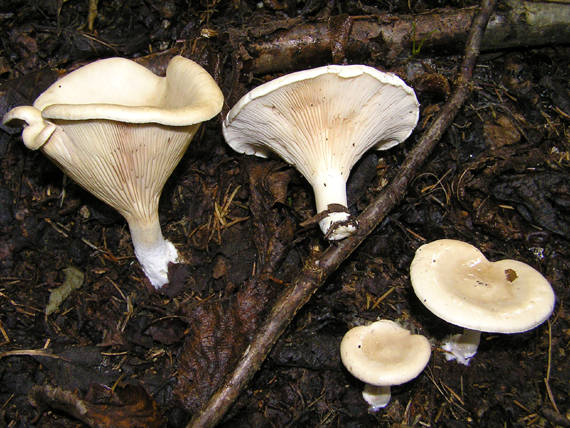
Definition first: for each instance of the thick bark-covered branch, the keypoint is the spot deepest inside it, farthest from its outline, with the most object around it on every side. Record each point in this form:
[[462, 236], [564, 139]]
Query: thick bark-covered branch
[[289, 45], [320, 267]]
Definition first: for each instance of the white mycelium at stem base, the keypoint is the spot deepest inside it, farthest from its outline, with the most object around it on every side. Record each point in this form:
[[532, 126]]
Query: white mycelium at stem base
[[119, 131], [377, 396], [462, 347], [153, 252], [322, 121]]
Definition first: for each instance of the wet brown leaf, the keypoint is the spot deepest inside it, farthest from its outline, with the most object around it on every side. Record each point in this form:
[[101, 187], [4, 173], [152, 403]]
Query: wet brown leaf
[[433, 84], [125, 406], [220, 268], [167, 331], [274, 181], [541, 198], [273, 227], [502, 133], [219, 332]]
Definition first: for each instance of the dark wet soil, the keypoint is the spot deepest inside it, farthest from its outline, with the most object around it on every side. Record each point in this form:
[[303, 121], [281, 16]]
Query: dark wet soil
[[499, 179]]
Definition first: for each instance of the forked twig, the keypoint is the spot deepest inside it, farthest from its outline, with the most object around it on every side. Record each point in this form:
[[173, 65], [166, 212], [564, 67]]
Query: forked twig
[[319, 268]]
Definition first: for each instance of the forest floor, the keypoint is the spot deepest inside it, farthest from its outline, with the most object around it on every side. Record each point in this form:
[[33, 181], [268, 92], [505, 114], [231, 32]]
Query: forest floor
[[499, 179]]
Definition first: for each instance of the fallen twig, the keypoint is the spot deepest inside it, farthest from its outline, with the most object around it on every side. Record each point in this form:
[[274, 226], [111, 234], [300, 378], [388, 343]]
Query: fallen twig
[[31, 353], [318, 268], [548, 367], [293, 45]]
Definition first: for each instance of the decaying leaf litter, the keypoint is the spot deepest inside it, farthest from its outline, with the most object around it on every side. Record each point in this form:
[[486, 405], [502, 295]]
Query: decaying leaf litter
[[498, 179]]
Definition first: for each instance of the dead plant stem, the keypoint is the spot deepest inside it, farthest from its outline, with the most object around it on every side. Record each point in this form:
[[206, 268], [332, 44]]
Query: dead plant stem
[[320, 267], [549, 362]]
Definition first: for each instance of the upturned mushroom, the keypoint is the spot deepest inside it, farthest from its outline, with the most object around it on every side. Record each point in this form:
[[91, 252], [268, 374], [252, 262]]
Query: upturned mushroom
[[383, 354], [119, 130], [455, 281], [322, 121]]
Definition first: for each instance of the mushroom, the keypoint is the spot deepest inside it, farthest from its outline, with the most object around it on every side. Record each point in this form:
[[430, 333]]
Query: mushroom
[[383, 354], [322, 121], [455, 281], [119, 131]]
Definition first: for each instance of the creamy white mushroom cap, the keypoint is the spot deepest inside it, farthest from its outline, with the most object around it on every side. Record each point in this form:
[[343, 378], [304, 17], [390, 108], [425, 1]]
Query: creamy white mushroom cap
[[132, 93], [383, 353], [322, 121], [457, 283]]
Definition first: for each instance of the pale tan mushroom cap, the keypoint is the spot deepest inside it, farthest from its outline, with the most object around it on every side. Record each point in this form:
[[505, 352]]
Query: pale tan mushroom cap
[[324, 118], [122, 90], [457, 283], [383, 353]]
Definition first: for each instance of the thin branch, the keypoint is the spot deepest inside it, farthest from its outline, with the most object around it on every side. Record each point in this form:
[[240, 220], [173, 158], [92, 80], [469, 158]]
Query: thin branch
[[320, 267], [290, 44]]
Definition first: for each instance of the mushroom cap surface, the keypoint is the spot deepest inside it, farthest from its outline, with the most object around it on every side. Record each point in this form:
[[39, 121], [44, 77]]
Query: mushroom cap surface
[[323, 118], [455, 281], [121, 90], [383, 353]]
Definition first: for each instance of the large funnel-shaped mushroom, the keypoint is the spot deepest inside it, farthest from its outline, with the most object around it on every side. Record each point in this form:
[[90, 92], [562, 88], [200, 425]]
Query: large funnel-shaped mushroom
[[322, 121], [119, 131]]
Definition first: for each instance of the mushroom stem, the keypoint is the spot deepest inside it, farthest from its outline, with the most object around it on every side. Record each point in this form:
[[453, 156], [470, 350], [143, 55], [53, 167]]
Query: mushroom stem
[[377, 396], [153, 252], [462, 347], [330, 189]]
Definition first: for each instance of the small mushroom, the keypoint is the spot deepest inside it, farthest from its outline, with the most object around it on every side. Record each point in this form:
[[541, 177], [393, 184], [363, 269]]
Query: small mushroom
[[383, 354], [119, 131], [457, 283], [322, 121]]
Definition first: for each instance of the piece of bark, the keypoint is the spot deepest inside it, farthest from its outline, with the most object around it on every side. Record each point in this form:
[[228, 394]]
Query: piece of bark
[[387, 37], [125, 406], [320, 266]]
